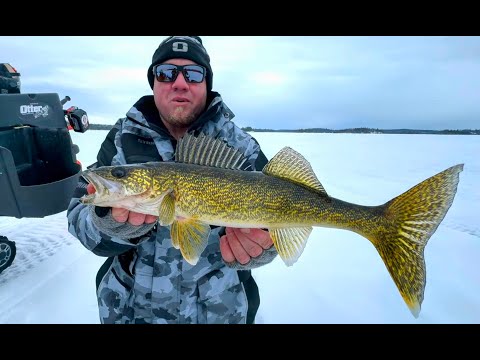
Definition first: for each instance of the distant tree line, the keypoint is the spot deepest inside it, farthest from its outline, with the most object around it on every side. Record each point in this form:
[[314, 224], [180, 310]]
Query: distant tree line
[[365, 130], [99, 127], [360, 130]]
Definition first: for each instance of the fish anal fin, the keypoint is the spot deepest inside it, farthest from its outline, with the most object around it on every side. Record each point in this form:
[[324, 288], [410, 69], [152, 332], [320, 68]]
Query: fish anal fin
[[290, 242]]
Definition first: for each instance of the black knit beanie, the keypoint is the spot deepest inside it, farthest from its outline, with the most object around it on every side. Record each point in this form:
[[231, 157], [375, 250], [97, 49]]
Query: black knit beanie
[[183, 47]]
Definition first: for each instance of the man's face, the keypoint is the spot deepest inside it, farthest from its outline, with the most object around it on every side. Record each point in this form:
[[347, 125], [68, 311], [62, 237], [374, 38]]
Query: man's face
[[180, 102]]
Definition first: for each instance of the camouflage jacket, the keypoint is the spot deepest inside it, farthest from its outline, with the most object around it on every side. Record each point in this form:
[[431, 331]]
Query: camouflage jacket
[[146, 280]]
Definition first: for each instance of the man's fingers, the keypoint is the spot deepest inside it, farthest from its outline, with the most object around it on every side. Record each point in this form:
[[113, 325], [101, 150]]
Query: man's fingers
[[120, 215], [252, 248], [259, 236], [136, 219], [149, 219], [238, 251], [226, 251]]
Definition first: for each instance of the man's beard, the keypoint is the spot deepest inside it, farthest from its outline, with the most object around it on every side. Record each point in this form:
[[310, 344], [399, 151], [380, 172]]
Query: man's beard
[[180, 117]]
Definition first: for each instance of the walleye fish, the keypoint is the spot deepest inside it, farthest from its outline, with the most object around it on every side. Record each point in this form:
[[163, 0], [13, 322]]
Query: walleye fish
[[206, 185]]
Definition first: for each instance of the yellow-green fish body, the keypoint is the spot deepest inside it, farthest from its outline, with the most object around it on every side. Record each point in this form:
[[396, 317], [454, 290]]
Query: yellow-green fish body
[[206, 186]]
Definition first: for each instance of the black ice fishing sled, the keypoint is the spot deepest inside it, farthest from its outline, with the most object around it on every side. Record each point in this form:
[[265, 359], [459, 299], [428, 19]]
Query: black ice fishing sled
[[38, 166]]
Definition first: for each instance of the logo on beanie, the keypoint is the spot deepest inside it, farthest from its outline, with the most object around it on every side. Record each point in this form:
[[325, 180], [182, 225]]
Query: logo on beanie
[[180, 46]]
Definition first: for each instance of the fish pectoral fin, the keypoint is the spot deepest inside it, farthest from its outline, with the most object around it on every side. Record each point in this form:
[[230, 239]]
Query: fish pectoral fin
[[191, 237], [166, 211], [290, 242]]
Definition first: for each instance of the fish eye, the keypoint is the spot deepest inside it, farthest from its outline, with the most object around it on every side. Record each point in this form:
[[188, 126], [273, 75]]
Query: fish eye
[[119, 172]]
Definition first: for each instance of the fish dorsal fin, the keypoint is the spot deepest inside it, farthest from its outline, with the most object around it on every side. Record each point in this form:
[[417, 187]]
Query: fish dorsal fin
[[207, 151], [292, 166]]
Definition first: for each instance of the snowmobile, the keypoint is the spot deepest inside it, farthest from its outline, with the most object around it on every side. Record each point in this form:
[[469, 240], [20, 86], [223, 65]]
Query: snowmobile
[[39, 169]]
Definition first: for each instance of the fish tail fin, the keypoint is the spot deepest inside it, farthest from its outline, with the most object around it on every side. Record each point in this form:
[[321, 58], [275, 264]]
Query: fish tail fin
[[410, 220]]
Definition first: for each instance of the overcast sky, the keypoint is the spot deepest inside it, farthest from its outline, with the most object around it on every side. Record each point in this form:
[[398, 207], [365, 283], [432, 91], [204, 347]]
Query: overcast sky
[[273, 82]]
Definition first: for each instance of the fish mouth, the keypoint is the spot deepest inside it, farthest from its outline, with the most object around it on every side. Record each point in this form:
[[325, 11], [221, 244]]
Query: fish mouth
[[102, 187]]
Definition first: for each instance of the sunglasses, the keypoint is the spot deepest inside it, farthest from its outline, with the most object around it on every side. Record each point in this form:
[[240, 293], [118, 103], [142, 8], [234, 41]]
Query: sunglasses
[[169, 72]]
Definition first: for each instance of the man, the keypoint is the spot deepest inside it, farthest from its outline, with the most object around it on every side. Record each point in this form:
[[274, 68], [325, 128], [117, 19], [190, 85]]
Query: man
[[145, 279]]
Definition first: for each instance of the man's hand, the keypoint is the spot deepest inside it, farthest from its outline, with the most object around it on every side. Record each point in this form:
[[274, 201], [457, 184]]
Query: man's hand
[[122, 215], [244, 244]]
